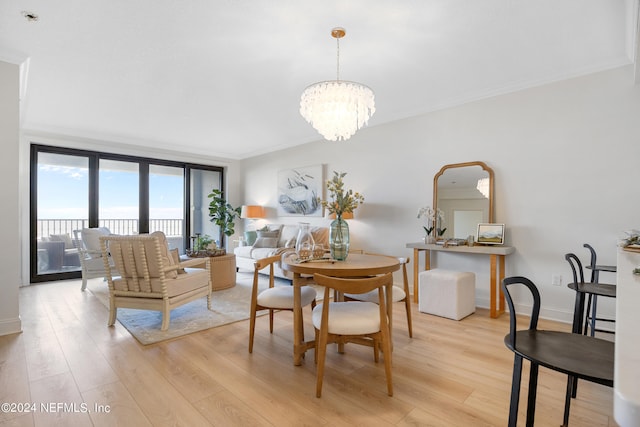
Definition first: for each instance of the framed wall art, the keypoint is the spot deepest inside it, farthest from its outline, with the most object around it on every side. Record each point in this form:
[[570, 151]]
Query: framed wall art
[[299, 190], [490, 234]]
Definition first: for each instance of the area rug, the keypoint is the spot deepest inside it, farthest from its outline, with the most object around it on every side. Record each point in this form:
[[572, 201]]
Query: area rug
[[227, 306]]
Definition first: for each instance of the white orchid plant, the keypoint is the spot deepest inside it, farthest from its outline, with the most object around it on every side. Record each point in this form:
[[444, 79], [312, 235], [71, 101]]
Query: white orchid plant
[[435, 219]]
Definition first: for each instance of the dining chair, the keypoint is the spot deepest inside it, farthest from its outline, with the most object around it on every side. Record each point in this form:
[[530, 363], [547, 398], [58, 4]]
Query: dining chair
[[579, 356], [359, 322], [274, 297], [399, 294], [592, 300], [582, 318]]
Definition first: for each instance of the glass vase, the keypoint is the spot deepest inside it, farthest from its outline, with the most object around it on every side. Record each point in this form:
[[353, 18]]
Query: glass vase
[[339, 239], [304, 241]]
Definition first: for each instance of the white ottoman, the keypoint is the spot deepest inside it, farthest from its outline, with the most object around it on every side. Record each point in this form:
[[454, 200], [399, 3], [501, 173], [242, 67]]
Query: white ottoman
[[446, 293]]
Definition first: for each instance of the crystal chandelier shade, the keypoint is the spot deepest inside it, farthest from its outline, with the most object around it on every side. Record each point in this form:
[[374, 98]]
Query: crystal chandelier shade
[[483, 187], [337, 109]]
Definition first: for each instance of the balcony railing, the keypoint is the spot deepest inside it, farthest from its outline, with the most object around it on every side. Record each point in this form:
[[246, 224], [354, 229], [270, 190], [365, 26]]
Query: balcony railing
[[47, 227]]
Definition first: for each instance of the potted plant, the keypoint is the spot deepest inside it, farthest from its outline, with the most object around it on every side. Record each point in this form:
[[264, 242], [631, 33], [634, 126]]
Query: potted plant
[[222, 213]]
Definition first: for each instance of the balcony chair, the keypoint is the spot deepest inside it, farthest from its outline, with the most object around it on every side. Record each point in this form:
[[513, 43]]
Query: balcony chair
[[87, 241], [70, 251], [148, 278], [274, 297], [358, 322]]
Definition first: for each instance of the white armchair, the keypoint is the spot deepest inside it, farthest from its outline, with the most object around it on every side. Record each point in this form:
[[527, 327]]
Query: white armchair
[[87, 241]]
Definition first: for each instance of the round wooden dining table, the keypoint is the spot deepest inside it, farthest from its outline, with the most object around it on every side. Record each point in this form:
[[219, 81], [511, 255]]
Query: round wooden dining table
[[356, 265]]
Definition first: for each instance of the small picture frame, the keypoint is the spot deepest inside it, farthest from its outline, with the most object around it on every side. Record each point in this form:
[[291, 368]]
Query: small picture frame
[[490, 234]]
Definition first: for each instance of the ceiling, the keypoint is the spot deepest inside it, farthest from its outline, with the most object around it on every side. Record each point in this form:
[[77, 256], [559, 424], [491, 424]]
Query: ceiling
[[224, 77]]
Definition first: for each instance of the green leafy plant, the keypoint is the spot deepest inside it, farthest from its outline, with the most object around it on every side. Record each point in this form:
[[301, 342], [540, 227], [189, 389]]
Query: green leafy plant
[[202, 242], [222, 213], [343, 201]]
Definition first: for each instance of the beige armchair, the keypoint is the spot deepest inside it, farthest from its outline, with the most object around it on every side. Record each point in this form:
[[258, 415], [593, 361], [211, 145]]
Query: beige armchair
[[87, 241], [148, 278]]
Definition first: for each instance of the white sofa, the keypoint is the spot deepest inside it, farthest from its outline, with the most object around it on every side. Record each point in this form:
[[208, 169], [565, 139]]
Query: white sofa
[[275, 241]]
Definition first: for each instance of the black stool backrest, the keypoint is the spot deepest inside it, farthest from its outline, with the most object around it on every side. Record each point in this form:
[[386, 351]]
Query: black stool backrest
[[576, 267], [535, 311], [592, 261]]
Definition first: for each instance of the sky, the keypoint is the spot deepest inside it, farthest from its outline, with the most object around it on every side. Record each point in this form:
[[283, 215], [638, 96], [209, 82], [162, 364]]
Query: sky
[[63, 194]]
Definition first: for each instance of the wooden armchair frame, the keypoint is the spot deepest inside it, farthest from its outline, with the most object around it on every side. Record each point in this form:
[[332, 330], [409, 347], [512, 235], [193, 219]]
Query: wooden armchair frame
[[145, 276]]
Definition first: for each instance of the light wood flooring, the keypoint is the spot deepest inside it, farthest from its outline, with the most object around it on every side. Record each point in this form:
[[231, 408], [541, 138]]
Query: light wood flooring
[[450, 374]]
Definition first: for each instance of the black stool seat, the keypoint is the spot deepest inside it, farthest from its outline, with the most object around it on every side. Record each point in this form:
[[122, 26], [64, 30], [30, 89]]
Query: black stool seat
[[577, 355], [607, 268], [600, 289]]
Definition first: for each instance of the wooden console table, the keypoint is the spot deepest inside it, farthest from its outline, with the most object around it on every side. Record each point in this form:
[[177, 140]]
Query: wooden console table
[[497, 256]]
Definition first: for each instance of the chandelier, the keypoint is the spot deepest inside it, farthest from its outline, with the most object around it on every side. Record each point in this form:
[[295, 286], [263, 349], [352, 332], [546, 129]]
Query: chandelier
[[483, 187], [337, 109]]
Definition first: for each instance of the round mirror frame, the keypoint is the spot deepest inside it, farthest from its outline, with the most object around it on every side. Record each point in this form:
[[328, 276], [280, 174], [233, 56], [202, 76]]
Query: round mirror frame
[[462, 165]]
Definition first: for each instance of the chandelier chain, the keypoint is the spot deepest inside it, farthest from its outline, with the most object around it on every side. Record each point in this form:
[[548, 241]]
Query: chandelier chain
[[338, 59]]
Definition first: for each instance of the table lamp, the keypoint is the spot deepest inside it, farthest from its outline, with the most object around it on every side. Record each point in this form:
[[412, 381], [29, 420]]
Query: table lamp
[[251, 212]]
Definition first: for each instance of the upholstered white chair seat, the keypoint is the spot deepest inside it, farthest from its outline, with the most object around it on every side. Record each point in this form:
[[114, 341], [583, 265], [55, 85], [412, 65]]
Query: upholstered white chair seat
[[398, 294], [281, 297], [350, 318]]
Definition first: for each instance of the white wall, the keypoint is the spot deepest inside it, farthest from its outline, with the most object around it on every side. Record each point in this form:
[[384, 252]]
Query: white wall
[[566, 158], [10, 248]]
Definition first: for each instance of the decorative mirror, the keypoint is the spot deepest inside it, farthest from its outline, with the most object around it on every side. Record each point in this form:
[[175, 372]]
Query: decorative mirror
[[464, 194]]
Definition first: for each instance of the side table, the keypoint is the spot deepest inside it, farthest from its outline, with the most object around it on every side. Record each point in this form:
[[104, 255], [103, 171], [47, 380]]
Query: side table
[[223, 271]]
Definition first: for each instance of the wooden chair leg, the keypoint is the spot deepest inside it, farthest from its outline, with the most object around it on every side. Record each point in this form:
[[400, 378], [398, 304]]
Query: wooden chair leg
[[515, 391], [407, 304], [252, 329], [271, 321], [321, 348]]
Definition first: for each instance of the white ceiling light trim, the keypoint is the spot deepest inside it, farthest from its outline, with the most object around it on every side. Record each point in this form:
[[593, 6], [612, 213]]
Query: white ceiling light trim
[[337, 109]]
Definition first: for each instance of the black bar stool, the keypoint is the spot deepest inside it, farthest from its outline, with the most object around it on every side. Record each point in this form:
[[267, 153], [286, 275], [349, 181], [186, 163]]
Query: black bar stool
[[593, 289], [592, 300], [574, 354]]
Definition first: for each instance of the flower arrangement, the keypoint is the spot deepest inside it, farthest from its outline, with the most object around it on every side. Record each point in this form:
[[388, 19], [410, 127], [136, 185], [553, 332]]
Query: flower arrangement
[[342, 201], [633, 238], [435, 220], [430, 215]]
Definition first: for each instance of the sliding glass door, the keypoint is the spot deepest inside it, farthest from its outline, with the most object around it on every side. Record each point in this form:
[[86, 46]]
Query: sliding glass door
[[202, 183], [62, 206], [73, 189], [166, 204], [119, 196]]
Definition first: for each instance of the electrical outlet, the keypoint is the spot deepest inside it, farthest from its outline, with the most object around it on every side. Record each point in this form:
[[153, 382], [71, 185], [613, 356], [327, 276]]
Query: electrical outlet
[[556, 279]]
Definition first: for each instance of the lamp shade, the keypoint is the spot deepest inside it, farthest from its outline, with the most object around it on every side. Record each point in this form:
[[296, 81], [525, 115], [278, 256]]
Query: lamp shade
[[252, 211]]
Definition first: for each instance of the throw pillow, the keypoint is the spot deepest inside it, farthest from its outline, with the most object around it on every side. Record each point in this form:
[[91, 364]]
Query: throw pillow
[[164, 252], [175, 255], [66, 238], [266, 242], [275, 233]]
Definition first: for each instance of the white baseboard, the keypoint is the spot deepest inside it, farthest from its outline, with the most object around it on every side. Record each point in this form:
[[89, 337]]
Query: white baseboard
[[561, 316], [10, 326]]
